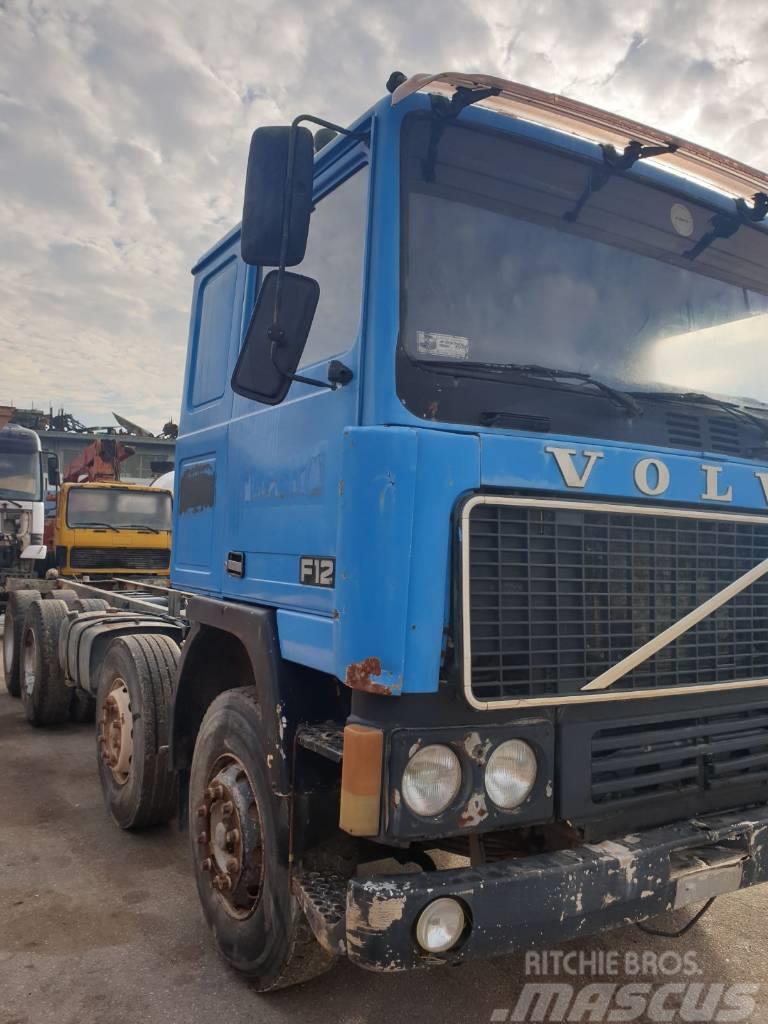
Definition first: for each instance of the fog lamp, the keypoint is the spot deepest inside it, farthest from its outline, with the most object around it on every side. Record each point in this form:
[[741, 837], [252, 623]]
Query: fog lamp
[[511, 774], [431, 780], [440, 925]]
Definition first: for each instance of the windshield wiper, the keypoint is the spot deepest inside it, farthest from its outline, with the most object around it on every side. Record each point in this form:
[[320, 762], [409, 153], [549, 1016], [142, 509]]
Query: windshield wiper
[[486, 371], [107, 526], [13, 502], [694, 397], [140, 526]]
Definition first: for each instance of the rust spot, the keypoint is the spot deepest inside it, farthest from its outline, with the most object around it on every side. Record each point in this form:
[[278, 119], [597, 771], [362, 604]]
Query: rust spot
[[359, 674], [474, 812]]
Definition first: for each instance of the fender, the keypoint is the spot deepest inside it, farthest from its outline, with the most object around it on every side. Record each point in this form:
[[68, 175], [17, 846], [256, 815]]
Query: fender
[[85, 637], [231, 645]]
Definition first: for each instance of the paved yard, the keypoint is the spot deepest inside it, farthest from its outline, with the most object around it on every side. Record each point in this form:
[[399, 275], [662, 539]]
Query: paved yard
[[102, 927]]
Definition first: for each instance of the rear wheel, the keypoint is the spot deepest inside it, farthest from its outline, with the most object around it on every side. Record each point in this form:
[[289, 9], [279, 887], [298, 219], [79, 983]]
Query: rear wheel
[[240, 851], [45, 695], [13, 637], [132, 707], [91, 604]]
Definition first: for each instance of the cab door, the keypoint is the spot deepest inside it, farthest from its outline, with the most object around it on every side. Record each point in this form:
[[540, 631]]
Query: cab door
[[285, 460]]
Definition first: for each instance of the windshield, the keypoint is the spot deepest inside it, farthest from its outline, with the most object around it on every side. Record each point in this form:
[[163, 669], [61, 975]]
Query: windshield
[[502, 265], [119, 508], [20, 476]]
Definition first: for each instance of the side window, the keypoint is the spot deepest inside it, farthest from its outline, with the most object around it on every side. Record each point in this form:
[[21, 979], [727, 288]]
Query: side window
[[215, 301], [334, 258]]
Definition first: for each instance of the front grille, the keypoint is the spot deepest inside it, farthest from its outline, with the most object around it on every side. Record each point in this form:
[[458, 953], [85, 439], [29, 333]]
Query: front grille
[[119, 558], [556, 596], [683, 755]]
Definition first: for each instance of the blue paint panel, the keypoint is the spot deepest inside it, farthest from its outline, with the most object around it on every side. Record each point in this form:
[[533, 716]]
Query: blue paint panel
[[394, 546], [523, 462], [307, 639]]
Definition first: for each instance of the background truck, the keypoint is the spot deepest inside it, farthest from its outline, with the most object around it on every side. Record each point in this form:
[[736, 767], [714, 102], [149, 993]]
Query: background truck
[[22, 487], [101, 527], [470, 548]]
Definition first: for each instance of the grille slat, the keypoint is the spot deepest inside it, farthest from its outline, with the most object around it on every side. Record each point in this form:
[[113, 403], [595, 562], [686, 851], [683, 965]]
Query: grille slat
[[704, 751], [119, 558], [558, 595]]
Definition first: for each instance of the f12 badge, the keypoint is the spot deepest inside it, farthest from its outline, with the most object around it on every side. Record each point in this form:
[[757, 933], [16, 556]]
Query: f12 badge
[[317, 572]]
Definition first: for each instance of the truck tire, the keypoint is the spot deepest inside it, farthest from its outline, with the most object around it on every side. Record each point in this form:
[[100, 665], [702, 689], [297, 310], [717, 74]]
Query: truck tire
[[132, 711], [239, 850], [69, 597], [13, 637], [45, 695], [91, 604]]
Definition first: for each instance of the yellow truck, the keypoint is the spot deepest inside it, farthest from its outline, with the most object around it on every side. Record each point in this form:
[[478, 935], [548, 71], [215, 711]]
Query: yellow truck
[[104, 529]]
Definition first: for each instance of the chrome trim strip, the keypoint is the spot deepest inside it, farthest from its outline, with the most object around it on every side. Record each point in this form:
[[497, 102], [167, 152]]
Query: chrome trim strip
[[554, 503]]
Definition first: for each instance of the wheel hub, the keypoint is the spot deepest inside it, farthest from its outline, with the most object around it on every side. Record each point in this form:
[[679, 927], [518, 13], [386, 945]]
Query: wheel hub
[[230, 838], [116, 732]]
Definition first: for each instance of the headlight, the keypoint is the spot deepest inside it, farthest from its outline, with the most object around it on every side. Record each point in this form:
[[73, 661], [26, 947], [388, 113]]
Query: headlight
[[431, 780], [511, 774], [440, 925]]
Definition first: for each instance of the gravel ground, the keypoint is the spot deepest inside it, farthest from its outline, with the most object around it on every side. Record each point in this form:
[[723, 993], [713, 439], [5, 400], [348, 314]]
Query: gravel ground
[[102, 926]]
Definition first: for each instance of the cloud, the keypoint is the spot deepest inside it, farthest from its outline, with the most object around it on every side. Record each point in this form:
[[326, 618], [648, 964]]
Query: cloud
[[124, 129]]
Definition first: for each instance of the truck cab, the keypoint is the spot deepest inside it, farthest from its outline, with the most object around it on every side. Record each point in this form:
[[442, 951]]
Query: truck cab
[[21, 503], [471, 508]]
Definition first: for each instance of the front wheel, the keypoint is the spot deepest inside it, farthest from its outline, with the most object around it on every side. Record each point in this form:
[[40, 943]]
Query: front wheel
[[239, 840]]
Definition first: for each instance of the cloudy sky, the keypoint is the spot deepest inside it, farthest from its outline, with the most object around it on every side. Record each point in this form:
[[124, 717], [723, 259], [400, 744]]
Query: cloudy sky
[[124, 127]]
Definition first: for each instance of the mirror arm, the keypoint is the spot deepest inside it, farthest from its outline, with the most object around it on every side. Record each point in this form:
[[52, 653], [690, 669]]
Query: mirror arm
[[276, 335]]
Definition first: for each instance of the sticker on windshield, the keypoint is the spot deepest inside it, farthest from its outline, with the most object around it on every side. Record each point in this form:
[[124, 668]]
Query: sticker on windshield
[[682, 219], [442, 346]]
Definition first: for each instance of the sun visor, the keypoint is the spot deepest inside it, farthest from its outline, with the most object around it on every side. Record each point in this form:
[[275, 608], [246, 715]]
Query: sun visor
[[591, 123]]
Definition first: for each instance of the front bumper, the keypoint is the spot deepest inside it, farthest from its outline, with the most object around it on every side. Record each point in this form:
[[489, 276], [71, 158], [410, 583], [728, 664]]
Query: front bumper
[[538, 901]]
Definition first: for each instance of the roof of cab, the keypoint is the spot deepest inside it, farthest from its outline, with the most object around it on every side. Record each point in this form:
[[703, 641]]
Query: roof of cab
[[595, 125]]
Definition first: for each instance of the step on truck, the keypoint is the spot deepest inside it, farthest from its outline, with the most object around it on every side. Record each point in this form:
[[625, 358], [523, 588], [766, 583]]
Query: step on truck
[[470, 546]]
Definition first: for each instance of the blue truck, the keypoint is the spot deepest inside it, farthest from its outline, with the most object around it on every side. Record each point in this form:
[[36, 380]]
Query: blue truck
[[470, 547]]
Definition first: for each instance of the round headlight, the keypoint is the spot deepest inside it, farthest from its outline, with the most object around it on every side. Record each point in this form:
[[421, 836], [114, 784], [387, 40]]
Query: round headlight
[[511, 774], [431, 780], [440, 925]]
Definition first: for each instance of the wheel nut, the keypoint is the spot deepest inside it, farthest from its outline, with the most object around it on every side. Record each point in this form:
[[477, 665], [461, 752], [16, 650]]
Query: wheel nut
[[202, 810], [232, 864], [227, 808], [215, 792], [233, 836]]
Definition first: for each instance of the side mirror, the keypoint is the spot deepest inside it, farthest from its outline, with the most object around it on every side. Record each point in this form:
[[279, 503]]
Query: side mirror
[[54, 477], [278, 179], [267, 363]]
